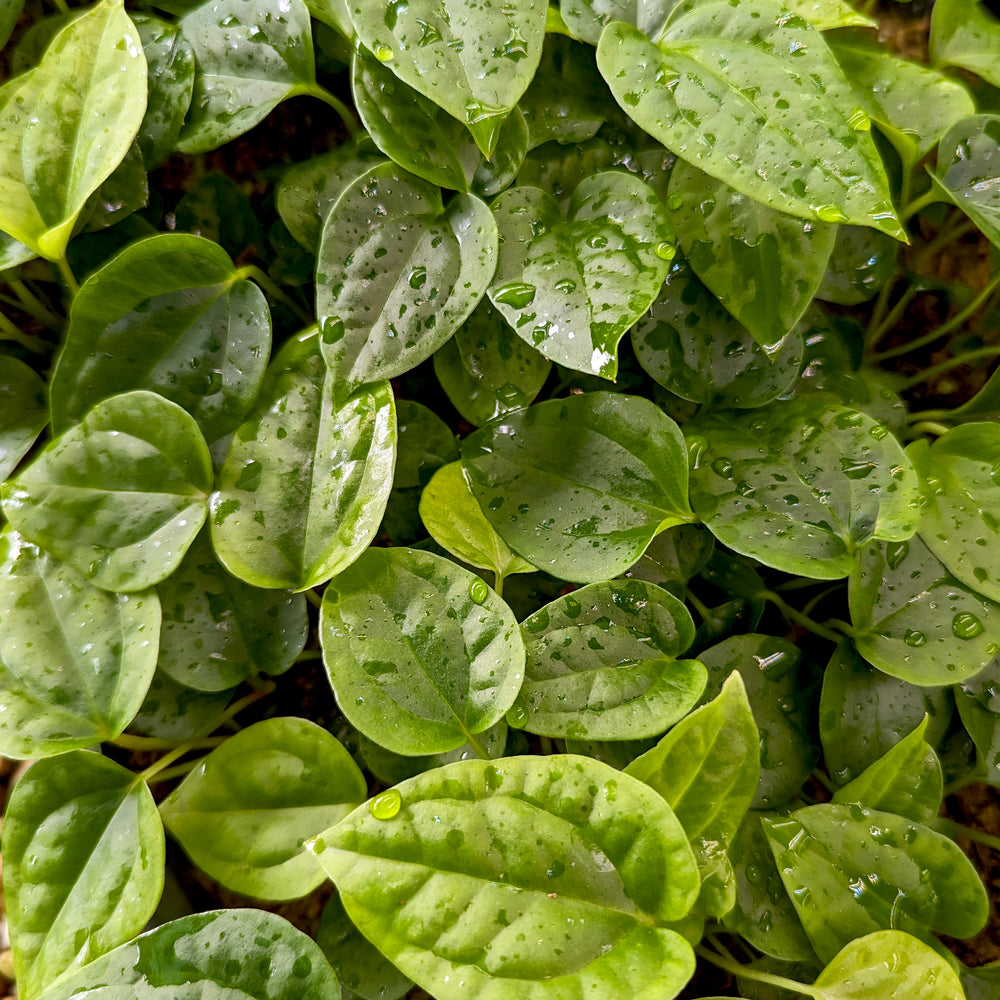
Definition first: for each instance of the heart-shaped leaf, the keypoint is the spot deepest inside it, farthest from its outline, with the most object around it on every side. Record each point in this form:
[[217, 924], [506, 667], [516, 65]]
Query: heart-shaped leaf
[[801, 485], [121, 495], [23, 413], [716, 67], [571, 286], [89, 94], [578, 907], [422, 655], [170, 314], [78, 683], [579, 486], [246, 811], [305, 483], [398, 273], [83, 859]]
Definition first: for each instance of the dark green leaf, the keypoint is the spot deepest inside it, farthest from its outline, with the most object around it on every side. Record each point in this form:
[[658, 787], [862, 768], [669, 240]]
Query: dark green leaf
[[674, 556], [425, 444], [216, 208], [23, 413], [173, 712], [10, 12], [862, 261]]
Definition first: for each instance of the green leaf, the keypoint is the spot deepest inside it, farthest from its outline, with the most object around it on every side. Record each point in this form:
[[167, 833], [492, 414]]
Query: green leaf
[[864, 713], [586, 19], [472, 59], [177, 713], [10, 13], [579, 486], [398, 273], [572, 286], [425, 444], [575, 909], [456, 522], [914, 620], [764, 266], [960, 518], [302, 491], [89, 94], [674, 557], [968, 167], [219, 631], [245, 812], [172, 315], [967, 35], [121, 495], [862, 261], [851, 870], [716, 68], [913, 106], [23, 413], [861, 971], [802, 484], [83, 856], [13, 253], [238, 954], [422, 655], [601, 664], [691, 345], [249, 61], [170, 84]]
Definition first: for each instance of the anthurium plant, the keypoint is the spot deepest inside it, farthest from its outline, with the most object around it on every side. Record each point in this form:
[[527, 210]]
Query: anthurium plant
[[582, 412]]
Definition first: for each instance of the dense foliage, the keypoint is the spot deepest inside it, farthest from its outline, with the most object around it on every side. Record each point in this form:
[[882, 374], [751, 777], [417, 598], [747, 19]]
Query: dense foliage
[[654, 654]]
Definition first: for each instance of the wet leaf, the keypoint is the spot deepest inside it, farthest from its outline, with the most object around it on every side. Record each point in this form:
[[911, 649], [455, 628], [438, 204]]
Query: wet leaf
[[171, 711], [861, 262], [966, 35], [23, 412], [968, 168], [674, 557]]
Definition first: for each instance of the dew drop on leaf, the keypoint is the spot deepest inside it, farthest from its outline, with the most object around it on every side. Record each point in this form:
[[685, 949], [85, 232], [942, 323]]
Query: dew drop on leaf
[[386, 804], [914, 638], [666, 251], [382, 52], [966, 626], [479, 591], [859, 121], [517, 715]]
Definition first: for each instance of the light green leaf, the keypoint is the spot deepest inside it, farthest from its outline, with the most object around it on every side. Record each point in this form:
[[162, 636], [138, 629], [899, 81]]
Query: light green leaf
[[914, 620], [469, 57], [422, 655], [580, 486], [801, 484], [23, 413], [238, 954], [243, 815], [121, 495], [586, 19], [83, 856], [250, 58], [13, 253], [577, 908], [851, 870], [398, 273], [170, 314], [966, 34], [968, 168], [306, 480], [572, 286], [719, 67], [89, 95]]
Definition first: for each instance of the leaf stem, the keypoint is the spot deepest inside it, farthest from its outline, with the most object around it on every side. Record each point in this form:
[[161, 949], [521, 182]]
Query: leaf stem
[[10, 332], [344, 112], [143, 744], [165, 761], [273, 289], [894, 316], [67, 272], [61, 6], [946, 366], [929, 197], [31, 304], [237, 706], [953, 829], [498, 581], [309, 654], [748, 972], [692, 598], [929, 427], [800, 618], [313, 598], [177, 771]]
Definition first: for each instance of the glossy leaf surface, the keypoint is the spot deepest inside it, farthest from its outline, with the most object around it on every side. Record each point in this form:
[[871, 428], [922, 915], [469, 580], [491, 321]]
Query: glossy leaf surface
[[245, 812], [23, 413], [571, 285], [968, 168], [861, 262], [306, 480], [580, 486], [607, 864], [121, 495], [390, 294], [171, 711], [83, 864], [422, 655], [801, 485], [966, 35]]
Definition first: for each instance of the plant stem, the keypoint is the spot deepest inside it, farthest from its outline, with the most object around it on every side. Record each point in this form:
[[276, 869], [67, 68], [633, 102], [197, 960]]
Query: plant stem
[[929, 427], [273, 289], [177, 771], [313, 598], [946, 366], [748, 972], [61, 6], [948, 234], [165, 761], [698, 605], [345, 113], [953, 829], [307, 655], [929, 197], [10, 332], [792, 614], [67, 274], [878, 311], [894, 316], [237, 706], [34, 307], [150, 743]]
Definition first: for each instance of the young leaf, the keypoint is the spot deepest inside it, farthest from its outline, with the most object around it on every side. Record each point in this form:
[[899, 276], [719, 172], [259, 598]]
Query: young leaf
[[692, 346], [473, 60], [121, 495], [966, 35], [801, 485], [398, 273], [579, 486], [88, 94], [172, 315], [577, 908], [572, 286], [238, 954], [219, 631], [422, 655], [914, 620], [693, 85], [23, 413], [763, 265], [82, 681], [83, 859], [601, 664], [851, 870], [249, 61], [306, 480], [246, 811]]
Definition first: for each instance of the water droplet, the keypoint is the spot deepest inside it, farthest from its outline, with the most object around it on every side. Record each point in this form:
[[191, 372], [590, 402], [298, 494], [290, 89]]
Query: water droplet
[[674, 202], [967, 626], [332, 329], [895, 553], [830, 213], [697, 446], [386, 804], [859, 121], [666, 251], [723, 467], [995, 473], [566, 285], [479, 591], [417, 277], [382, 52], [517, 715], [302, 966], [517, 294], [914, 638]]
